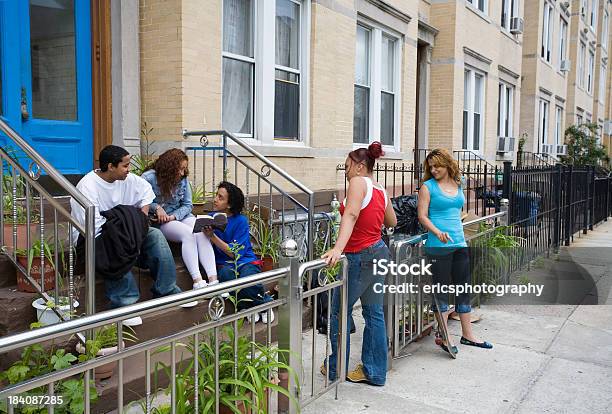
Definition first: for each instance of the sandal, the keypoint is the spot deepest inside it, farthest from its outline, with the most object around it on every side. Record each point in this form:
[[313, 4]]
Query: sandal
[[441, 344], [483, 344]]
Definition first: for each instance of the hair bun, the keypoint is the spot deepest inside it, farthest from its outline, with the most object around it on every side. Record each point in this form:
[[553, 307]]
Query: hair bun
[[375, 150]]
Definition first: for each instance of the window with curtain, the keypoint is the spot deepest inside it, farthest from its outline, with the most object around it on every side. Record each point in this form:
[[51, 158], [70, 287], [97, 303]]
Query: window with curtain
[[387, 98], [558, 125], [238, 67], [361, 117], [543, 123], [547, 32], [287, 70], [509, 10], [562, 41], [473, 109], [479, 4], [581, 60], [594, 6], [604, 30], [591, 72], [376, 88], [505, 110], [602, 83], [578, 119]]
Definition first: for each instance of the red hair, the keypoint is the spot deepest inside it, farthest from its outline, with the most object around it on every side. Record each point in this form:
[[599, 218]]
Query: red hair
[[368, 155]]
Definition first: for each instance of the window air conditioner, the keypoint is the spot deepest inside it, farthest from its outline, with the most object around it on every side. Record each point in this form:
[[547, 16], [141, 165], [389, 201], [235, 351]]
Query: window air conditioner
[[505, 144], [548, 149], [566, 65], [561, 149], [516, 25]]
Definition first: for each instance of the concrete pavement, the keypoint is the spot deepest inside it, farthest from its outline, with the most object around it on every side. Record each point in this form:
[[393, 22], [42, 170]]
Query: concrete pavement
[[547, 358]]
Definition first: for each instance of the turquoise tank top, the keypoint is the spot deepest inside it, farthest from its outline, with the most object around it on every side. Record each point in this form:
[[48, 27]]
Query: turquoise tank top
[[445, 214]]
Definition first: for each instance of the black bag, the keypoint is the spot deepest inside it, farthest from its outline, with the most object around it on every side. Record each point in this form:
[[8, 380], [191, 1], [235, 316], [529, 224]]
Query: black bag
[[407, 217]]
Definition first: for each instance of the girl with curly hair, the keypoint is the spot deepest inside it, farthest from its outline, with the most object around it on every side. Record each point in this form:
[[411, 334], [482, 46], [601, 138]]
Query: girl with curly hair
[[439, 208], [172, 206]]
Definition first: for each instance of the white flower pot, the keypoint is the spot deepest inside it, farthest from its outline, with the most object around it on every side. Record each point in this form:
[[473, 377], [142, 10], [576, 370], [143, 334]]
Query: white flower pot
[[47, 316], [105, 371]]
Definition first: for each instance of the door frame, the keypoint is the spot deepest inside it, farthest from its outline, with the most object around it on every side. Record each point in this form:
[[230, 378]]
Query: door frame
[[101, 76]]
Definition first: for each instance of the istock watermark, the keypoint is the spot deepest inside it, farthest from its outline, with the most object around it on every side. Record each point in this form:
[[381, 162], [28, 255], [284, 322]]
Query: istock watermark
[[385, 267], [483, 288]]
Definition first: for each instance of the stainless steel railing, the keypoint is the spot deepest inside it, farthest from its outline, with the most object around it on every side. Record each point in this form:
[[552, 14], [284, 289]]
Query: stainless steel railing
[[274, 192], [218, 354], [408, 314], [38, 225]]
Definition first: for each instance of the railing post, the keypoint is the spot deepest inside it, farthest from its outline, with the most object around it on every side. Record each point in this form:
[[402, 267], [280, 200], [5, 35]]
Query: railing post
[[592, 205], [290, 325], [90, 267], [507, 186], [569, 228], [586, 208], [607, 210], [557, 230], [503, 205]]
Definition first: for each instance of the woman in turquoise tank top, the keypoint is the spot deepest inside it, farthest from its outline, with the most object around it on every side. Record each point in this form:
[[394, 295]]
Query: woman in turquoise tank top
[[439, 208]]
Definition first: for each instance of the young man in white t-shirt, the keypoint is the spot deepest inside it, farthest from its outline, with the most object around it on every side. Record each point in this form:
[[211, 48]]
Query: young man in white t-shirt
[[114, 185]]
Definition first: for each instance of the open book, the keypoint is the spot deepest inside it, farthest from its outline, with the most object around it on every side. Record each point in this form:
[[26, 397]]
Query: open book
[[217, 222]]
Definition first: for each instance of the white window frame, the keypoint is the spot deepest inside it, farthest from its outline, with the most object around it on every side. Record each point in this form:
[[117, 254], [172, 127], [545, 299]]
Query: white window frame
[[563, 26], [264, 28], [547, 32], [590, 72], [510, 9], [602, 83], [604, 35], [593, 22], [579, 119], [581, 63], [558, 125], [505, 110], [481, 5], [376, 35], [543, 122], [473, 74]]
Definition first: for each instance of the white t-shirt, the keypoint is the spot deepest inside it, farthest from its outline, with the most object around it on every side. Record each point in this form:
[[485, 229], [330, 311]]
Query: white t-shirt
[[133, 191]]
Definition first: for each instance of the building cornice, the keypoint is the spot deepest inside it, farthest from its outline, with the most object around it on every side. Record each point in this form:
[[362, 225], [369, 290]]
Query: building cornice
[[387, 8]]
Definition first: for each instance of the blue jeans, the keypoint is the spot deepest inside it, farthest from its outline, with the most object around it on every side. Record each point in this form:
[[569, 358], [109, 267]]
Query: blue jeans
[[451, 267], [157, 257], [360, 285], [249, 296]]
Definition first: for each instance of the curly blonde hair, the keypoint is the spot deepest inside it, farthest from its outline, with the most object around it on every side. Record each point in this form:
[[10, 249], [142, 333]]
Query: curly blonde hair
[[441, 158]]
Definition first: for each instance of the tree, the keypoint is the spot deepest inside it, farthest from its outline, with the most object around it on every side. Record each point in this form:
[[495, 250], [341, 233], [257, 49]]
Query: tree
[[582, 146]]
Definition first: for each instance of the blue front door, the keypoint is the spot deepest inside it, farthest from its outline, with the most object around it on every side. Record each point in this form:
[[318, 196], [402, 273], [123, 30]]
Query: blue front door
[[45, 54]]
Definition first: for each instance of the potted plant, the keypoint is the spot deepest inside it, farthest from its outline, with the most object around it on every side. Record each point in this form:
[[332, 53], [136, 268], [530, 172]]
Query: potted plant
[[198, 198], [45, 310], [105, 342], [16, 222], [267, 240], [30, 260]]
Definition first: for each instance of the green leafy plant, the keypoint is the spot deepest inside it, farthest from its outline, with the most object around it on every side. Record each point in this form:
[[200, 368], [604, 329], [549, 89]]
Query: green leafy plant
[[583, 147], [143, 161], [37, 361], [267, 239], [248, 371], [493, 252], [106, 337]]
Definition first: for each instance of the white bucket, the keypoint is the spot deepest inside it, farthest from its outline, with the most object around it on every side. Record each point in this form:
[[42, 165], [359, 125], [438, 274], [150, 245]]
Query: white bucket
[[46, 316]]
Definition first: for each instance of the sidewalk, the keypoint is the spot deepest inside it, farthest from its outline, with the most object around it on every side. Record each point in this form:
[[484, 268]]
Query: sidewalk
[[546, 358]]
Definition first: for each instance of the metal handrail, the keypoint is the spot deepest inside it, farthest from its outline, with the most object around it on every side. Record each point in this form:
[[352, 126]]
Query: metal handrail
[[73, 326], [309, 193], [88, 229]]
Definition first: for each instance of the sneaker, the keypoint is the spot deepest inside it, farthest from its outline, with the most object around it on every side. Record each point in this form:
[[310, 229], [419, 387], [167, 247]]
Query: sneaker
[[135, 321], [264, 316], [323, 370], [357, 375], [255, 317], [199, 285]]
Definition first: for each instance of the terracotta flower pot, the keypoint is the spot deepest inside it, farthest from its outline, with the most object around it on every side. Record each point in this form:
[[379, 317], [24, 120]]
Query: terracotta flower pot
[[22, 231], [35, 273], [268, 263]]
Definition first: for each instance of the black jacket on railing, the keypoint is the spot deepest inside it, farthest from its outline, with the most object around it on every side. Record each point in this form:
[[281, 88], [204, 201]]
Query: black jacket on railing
[[118, 246]]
